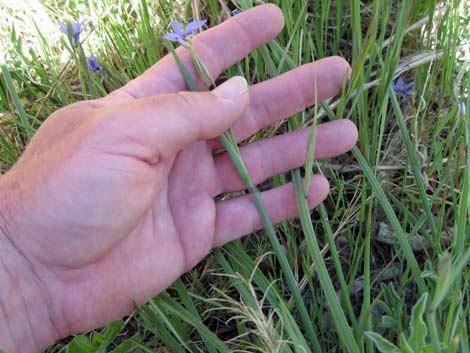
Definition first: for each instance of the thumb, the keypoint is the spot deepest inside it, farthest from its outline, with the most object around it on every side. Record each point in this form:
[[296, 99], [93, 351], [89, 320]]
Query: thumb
[[154, 128]]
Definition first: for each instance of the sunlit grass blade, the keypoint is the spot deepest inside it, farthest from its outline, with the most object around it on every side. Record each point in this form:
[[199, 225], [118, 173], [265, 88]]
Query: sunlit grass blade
[[241, 265], [188, 303], [345, 297], [16, 101], [50, 65], [343, 330], [311, 143], [388, 209], [7, 150], [167, 303], [187, 77], [411, 152]]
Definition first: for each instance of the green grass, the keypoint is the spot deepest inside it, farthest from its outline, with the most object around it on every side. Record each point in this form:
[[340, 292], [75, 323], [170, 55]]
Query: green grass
[[382, 263]]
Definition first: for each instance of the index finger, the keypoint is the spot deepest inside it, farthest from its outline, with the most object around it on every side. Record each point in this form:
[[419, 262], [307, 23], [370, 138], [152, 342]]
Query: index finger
[[219, 48]]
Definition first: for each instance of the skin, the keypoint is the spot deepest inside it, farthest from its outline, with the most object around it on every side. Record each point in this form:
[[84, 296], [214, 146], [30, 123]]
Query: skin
[[113, 199]]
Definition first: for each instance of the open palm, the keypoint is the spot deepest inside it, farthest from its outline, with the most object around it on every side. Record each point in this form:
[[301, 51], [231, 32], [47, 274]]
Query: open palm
[[120, 191]]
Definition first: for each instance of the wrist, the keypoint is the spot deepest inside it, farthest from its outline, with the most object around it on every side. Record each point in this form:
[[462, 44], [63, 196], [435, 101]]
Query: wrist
[[26, 324]]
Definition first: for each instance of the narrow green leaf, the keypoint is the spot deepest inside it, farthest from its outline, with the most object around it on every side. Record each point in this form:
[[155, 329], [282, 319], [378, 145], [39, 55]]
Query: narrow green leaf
[[411, 152], [311, 143], [16, 101], [383, 345], [404, 345], [187, 77], [388, 209], [81, 344], [343, 330], [113, 329], [176, 309], [418, 329], [446, 280], [128, 345]]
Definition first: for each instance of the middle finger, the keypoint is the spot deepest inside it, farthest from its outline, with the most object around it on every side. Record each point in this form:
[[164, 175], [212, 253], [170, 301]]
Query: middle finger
[[266, 158]]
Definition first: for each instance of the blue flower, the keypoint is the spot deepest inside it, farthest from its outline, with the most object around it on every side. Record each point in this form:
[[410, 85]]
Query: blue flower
[[75, 27], [403, 89], [235, 12], [181, 34], [94, 65]]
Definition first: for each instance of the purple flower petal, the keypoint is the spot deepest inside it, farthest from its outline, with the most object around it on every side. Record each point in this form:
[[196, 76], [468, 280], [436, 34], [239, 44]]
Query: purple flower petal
[[76, 27], [398, 85], [177, 28], [193, 25], [407, 86], [63, 27], [172, 36], [94, 65]]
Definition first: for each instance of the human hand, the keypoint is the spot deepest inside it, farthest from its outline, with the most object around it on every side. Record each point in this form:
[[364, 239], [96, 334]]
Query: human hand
[[114, 198]]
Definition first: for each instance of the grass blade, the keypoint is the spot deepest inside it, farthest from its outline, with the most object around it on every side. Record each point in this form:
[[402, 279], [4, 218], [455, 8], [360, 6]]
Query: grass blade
[[342, 328]]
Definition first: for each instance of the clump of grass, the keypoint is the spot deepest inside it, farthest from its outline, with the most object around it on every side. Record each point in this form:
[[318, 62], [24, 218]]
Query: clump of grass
[[322, 286]]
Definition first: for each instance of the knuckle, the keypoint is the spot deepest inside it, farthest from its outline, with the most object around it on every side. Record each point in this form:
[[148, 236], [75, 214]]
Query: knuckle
[[187, 99]]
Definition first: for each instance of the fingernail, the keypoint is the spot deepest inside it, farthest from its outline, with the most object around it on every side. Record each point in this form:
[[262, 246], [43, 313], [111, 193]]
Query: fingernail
[[232, 88]]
